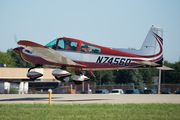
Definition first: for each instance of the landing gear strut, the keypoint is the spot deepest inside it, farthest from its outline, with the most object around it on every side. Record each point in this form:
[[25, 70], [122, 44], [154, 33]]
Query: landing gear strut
[[36, 66]]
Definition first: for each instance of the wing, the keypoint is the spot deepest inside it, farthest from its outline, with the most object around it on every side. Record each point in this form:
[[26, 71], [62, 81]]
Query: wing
[[47, 53]]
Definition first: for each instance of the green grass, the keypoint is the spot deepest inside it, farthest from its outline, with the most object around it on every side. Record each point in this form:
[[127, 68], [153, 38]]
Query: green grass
[[153, 111]]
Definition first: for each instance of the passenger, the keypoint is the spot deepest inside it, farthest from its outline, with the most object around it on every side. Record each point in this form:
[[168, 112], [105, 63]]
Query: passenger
[[87, 49]]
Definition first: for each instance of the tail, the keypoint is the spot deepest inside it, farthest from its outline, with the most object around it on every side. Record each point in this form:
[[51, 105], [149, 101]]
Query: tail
[[152, 47]]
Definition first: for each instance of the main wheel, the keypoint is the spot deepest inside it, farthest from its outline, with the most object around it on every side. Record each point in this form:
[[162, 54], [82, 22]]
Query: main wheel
[[59, 78], [32, 79], [77, 82]]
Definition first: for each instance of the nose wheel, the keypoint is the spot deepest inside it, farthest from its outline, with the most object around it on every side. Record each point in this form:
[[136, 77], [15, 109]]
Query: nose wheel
[[77, 82], [79, 77]]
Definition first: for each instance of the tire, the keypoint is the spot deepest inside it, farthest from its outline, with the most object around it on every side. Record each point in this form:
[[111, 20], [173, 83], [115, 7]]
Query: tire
[[77, 82], [59, 78]]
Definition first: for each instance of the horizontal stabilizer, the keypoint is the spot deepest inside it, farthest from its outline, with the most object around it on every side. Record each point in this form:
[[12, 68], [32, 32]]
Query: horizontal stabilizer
[[153, 65], [146, 63], [164, 68]]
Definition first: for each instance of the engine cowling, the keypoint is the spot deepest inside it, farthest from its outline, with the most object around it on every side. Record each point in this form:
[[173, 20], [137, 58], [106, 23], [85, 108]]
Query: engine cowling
[[34, 75]]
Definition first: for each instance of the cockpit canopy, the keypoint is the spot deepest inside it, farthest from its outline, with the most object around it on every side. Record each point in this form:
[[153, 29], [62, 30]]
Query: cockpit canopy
[[62, 44], [65, 44], [52, 44]]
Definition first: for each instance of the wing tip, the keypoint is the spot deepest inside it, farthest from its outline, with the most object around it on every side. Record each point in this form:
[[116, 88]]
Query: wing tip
[[29, 43]]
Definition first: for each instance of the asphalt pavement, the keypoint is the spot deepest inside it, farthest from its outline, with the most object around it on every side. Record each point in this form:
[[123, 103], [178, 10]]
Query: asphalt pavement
[[88, 98]]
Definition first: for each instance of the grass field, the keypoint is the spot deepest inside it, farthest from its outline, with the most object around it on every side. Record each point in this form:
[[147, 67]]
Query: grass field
[[153, 111]]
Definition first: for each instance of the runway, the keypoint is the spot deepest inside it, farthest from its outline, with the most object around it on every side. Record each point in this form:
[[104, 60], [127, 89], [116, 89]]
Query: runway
[[88, 98]]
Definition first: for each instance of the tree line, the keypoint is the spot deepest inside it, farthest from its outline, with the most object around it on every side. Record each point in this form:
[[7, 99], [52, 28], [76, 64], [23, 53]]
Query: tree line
[[12, 59], [136, 76]]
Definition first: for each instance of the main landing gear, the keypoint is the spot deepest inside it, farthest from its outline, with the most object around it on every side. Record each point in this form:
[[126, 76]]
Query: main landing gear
[[62, 74], [34, 75], [59, 74]]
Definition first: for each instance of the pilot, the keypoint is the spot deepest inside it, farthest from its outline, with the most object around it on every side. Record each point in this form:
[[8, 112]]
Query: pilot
[[67, 45]]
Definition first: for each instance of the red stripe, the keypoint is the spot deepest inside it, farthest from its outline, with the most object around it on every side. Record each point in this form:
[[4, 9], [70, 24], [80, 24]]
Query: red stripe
[[34, 75], [86, 78], [158, 38], [136, 60], [157, 59], [60, 75]]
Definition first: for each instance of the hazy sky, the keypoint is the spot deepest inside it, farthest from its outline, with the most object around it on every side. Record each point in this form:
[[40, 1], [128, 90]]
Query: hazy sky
[[110, 23]]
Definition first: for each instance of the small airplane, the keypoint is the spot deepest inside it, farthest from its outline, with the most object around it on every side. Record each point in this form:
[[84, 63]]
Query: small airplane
[[77, 55]]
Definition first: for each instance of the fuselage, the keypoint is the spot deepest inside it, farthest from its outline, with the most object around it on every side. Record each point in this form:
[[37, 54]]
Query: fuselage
[[93, 57]]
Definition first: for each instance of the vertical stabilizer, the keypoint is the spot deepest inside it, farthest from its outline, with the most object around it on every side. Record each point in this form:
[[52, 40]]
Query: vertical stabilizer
[[152, 47]]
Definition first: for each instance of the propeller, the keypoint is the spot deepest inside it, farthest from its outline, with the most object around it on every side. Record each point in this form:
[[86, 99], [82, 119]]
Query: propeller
[[16, 50], [15, 39], [18, 47]]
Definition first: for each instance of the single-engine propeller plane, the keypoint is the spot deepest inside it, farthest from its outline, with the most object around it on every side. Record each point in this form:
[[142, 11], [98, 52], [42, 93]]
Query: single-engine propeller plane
[[77, 55]]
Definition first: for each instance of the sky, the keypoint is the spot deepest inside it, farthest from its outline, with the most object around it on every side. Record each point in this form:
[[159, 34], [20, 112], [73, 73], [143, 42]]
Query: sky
[[109, 23]]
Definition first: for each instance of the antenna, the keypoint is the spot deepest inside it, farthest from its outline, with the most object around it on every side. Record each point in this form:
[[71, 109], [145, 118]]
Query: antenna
[[115, 42]]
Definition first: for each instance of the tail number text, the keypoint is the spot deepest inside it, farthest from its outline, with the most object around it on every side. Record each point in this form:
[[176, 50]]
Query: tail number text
[[113, 60]]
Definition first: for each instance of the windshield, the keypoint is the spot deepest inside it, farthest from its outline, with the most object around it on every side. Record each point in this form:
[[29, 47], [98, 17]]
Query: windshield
[[98, 91], [129, 91], [52, 44], [115, 91], [147, 91], [165, 92]]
